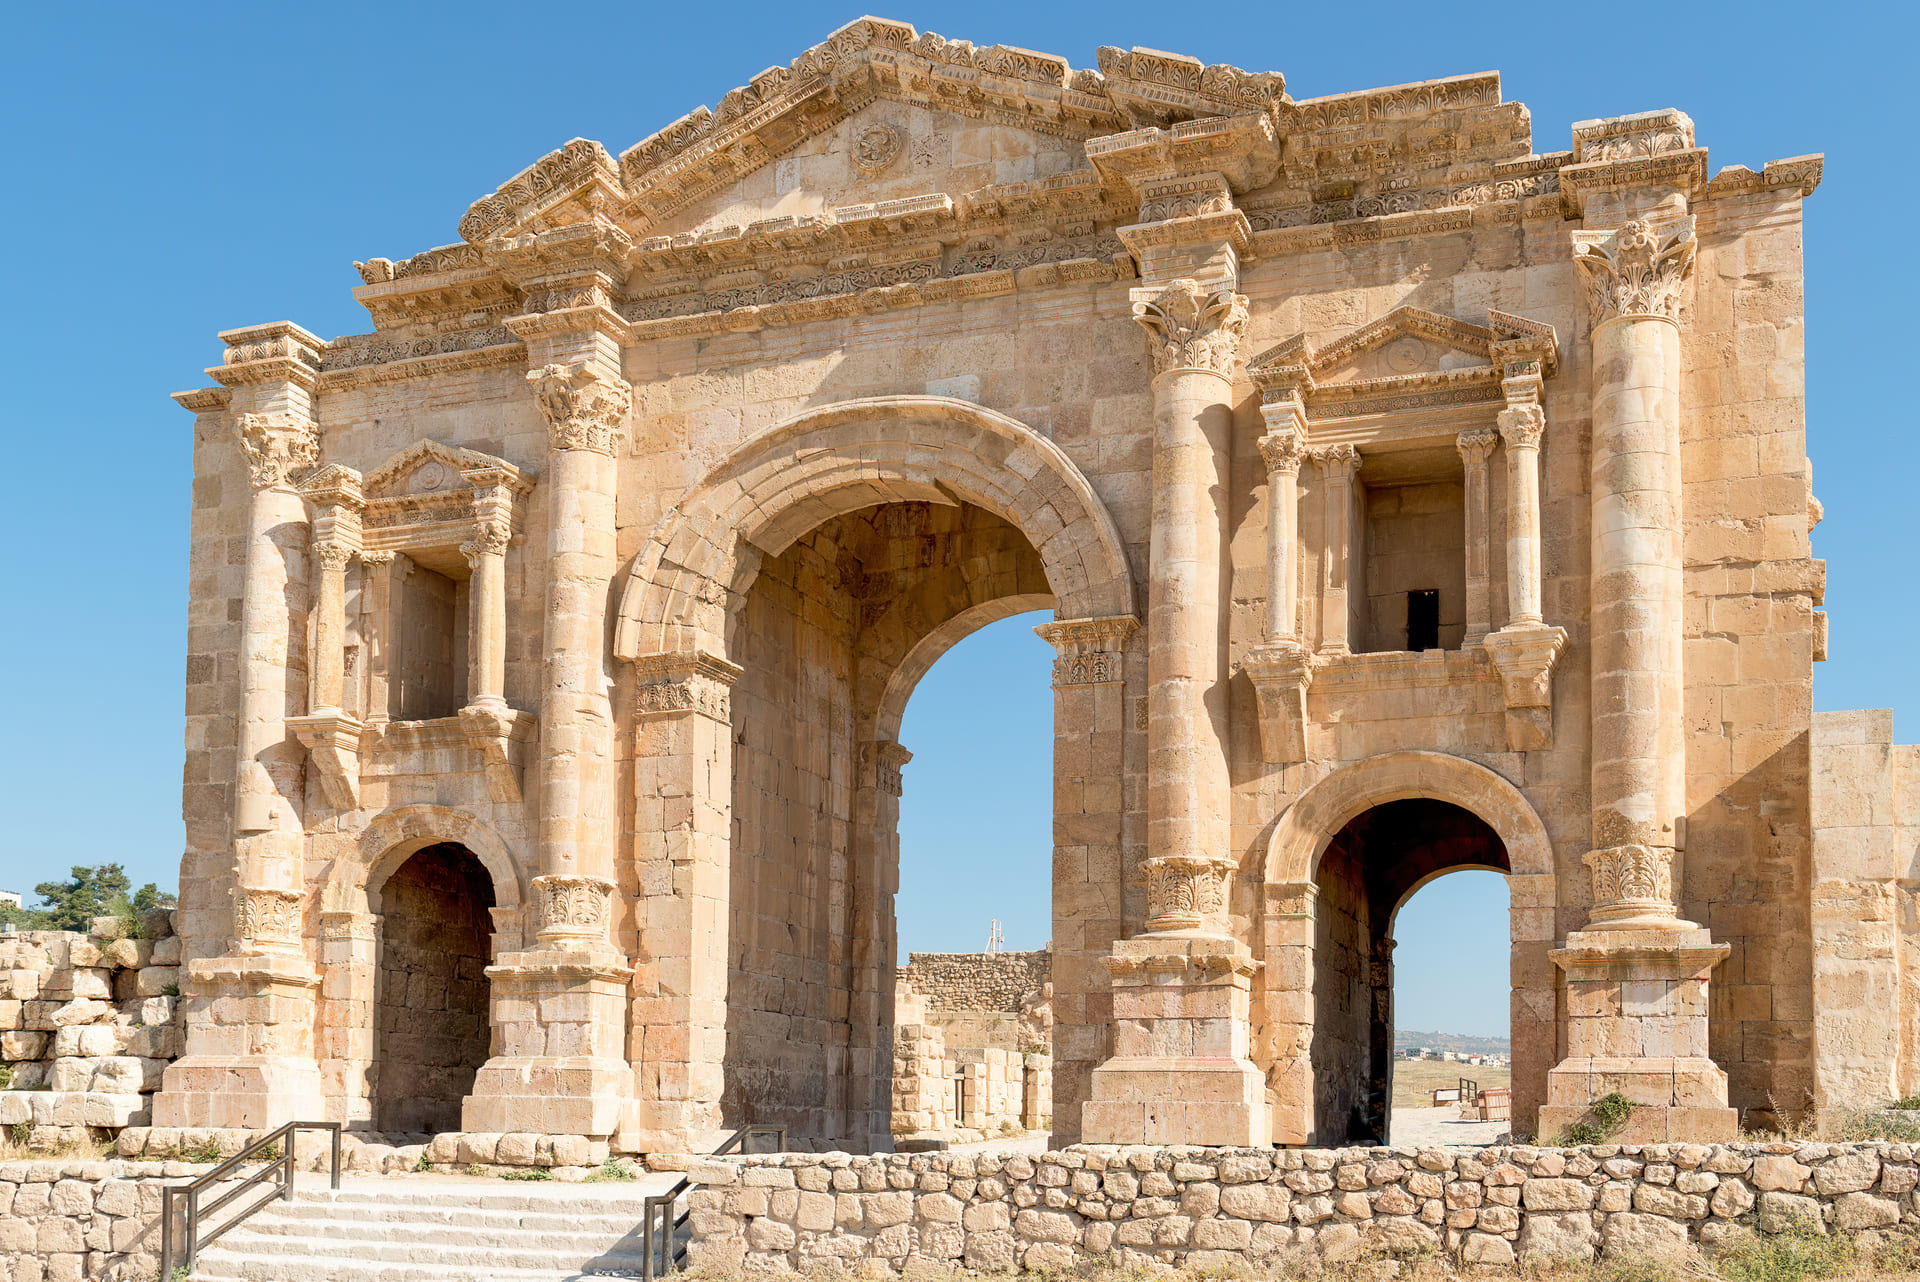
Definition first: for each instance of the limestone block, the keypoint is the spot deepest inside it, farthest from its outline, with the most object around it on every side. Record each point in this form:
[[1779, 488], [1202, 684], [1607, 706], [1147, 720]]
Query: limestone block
[[127, 953], [1632, 1236], [90, 982], [81, 1011], [1486, 1248], [1848, 1173], [1733, 1198], [1853, 1211], [82, 953], [1655, 1200], [158, 981], [1773, 1173], [14, 1108], [109, 1109], [515, 1149], [23, 1045], [478, 1146], [1785, 1212], [1557, 1195], [166, 952], [1559, 1235]]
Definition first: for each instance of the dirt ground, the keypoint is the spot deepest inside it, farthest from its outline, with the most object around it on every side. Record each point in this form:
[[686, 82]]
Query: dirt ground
[[1414, 1078]]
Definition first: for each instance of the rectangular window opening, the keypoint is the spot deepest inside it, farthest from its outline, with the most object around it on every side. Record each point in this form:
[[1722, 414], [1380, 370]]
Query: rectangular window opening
[[1423, 619]]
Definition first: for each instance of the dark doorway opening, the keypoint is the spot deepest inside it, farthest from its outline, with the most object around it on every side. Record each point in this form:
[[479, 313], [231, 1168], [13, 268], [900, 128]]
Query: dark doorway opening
[[431, 1025]]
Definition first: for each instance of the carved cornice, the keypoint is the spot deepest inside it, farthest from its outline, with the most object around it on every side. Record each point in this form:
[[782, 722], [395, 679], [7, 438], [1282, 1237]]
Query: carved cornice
[[584, 408], [1652, 149], [281, 352], [278, 447], [204, 400], [1635, 271], [685, 681], [332, 737], [1191, 326]]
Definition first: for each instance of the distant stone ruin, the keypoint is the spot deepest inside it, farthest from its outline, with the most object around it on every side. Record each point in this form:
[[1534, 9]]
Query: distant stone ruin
[[973, 1045]]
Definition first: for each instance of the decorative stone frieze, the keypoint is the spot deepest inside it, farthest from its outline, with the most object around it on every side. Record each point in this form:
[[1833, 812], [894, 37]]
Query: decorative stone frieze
[[692, 681], [1186, 893], [278, 447], [1088, 651], [1191, 326], [1636, 271], [584, 409]]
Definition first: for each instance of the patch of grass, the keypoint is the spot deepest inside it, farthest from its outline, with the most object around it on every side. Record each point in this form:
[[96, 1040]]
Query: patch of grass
[[207, 1150], [6, 1077], [423, 1164], [611, 1170], [528, 1173], [1906, 1101], [1605, 1118], [1797, 1255]]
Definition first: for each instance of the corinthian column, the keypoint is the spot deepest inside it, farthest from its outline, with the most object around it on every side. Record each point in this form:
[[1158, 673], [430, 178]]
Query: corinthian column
[[1474, 449], [560, 1030], [330, 734], [1339, 464], [1180, 1072], [1633, 279], [1637, 975], [1280, 667]]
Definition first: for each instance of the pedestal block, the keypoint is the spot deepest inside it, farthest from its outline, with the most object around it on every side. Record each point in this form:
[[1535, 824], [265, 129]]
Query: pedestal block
[[250, 1061], [1180, 1072], [1637, 1025], [560, 1030]]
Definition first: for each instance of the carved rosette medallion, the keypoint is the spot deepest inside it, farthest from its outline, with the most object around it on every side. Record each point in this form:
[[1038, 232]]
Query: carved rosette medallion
[[584, 409], [1522, 426], [574, 907], [1283, 451], [1632, 886], [876, 148], [1088, 651], [684, 682], [1185, 892], [278, 447], [1635, 271], [1191, 326], [267, 920]]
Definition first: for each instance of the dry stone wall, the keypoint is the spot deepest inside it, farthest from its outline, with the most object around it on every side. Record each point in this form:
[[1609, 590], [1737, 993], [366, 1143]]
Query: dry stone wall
[[978, 981], [88, 1022], [1223, 1207], [61, 1221]]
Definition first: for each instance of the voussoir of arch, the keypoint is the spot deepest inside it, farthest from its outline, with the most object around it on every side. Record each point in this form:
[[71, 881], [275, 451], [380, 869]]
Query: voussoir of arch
[[852, 454], [396, 835], [1305, 828]]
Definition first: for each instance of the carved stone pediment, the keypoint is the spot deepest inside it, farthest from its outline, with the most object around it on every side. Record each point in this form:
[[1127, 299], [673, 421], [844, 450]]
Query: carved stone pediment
[[1408, 359], [431, 494]]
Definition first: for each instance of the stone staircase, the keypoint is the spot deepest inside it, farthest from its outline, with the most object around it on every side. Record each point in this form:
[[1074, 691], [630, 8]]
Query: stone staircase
[[421, 1229]]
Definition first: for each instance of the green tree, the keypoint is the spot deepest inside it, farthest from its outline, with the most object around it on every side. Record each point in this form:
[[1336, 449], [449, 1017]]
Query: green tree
[[90, 892]]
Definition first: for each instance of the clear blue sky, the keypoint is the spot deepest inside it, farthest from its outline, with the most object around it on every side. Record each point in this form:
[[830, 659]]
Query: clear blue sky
[[178, 170]]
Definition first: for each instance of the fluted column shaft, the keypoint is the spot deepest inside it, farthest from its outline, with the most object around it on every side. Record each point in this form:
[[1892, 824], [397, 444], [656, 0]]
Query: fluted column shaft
[[1521, 428]]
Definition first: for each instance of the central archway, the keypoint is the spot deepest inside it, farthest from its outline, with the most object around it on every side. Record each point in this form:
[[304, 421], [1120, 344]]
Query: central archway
[[818, 571], [1295, 918]]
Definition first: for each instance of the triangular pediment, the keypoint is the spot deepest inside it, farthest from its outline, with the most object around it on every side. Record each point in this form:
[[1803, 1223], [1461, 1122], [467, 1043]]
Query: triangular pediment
[[1408, 344], [427, 467], [777, 114]]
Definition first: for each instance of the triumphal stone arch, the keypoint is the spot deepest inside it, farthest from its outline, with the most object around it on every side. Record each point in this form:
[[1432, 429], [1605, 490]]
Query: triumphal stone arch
[[1410, 494]]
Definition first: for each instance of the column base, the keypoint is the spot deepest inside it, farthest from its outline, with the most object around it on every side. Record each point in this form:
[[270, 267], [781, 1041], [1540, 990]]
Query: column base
[[249, 1062], [561, 1028], [1181, 1074], [1677, 1100]]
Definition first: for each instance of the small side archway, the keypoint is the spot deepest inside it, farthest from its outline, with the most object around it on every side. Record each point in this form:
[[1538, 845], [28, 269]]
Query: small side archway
[[1513, 840]]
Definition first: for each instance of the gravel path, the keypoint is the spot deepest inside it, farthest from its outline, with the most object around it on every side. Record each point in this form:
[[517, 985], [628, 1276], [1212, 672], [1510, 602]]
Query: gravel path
[[1441, 1126]]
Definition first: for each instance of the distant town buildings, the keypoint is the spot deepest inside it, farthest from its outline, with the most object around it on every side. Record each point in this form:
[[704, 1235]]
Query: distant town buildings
[[11, 899]]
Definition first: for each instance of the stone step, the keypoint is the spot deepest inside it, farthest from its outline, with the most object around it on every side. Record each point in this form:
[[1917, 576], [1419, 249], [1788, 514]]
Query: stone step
[[454, 1223], [403, 1249], [403, 1241], [331, 1268]]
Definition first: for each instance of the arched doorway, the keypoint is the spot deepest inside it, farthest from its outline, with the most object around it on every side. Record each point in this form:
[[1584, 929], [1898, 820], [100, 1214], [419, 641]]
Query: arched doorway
[[1369, 868], [431, 1027], [776, 621]]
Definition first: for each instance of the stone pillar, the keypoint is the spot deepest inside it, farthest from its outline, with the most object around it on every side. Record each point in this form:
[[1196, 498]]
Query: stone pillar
[[486, 554], [1637, 976], [560, 1064], [1475, 447], [1339, 465], [863, 944], [1288, 1010], [683, 792], [1282, 448], [331, 735], [249, 1058], [378, 603], [1521, 427], [1090, 805], [1281, 667]]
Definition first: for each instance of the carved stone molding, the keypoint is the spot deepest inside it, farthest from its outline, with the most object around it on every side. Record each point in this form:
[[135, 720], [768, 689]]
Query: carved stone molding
[[1281, 673], [332, 739], [1522, 426], [266, 920], [881, 761], [1632, 887], [687, 681], [1338, 462], [584, 409], [500, 735], [1088, 651], [278, 447], [1191, 326], [573, 908], [1283, 451], [1635, 271], [490, 538], [1186, 892], [1524, 658]]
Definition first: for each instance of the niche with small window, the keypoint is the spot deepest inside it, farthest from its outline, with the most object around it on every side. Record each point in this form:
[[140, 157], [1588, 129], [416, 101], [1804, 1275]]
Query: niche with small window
[[1413, 580], [427, 618]]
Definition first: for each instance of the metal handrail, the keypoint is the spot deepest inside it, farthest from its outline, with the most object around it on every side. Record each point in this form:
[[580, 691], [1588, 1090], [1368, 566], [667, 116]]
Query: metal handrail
[[658, 1210], [283, 1166]]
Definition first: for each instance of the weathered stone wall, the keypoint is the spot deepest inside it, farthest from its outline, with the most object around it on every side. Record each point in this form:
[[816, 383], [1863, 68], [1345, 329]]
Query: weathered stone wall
[[978, 981], [1228, 1207], [62, 1221], [88, 1022]]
